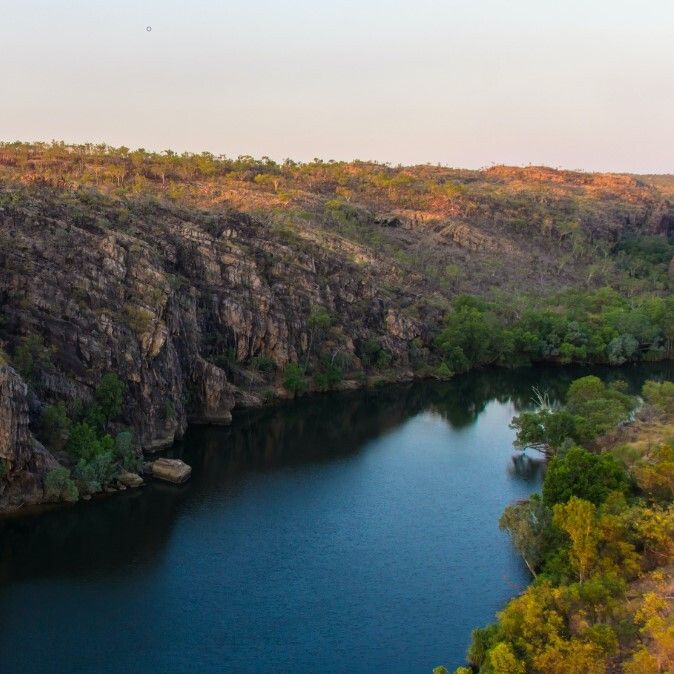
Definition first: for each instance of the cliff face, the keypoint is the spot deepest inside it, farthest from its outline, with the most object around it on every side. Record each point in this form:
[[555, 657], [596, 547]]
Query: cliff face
[[182, 297], [172, 307], [23, 461]]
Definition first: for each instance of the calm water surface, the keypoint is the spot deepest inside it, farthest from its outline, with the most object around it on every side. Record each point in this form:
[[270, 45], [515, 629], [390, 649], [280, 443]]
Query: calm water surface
[[347, 533]]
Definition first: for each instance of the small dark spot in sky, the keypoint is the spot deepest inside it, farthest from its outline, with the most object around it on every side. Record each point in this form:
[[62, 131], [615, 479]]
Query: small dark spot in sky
[[149, 29]]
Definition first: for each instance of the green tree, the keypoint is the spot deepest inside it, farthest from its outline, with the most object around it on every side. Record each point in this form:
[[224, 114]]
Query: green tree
[[84, 442], [579, 473], [544, 429], [110, 396], [528, 523]]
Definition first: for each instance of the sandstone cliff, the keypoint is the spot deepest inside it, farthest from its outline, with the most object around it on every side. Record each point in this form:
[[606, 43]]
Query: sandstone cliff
[[23, 461], [198, 306]]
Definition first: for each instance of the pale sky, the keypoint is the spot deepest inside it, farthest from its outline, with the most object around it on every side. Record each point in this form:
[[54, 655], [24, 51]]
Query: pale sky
[[574, 83]]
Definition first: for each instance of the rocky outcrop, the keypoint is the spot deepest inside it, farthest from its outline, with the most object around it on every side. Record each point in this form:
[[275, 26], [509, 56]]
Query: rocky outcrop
[[174, 307], [24, 462], [473, 239]]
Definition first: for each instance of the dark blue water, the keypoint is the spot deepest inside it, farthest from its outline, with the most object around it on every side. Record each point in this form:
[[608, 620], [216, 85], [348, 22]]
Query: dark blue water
[[348, 533]]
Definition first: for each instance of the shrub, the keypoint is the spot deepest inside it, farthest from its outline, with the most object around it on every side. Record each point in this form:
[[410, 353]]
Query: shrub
[[32, 355], [443, 371], [58, 484], [55, 425], [659, 394], [263, 364], [328, 377], [94, 474], [84, 443], [293, 378], [124, 450], [138, 319]]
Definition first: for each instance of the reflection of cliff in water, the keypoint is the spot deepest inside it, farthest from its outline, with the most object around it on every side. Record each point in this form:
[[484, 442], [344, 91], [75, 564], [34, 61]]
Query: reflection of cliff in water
[[105, 534], [133, 528]]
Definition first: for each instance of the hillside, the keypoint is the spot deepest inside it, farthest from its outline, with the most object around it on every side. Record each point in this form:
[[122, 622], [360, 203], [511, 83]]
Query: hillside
[[206, 283]]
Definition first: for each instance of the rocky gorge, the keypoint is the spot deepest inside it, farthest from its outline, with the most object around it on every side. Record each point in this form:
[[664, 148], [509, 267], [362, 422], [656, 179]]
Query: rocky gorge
[[200, 303]]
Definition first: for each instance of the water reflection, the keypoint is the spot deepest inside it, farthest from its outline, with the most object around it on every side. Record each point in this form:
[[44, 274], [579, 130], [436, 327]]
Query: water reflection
[[135, 526], [358, 514]]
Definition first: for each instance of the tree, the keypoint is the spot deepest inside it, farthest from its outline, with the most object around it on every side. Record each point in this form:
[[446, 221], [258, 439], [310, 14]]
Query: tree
[[577, 519], [502, 660], [110, 396], [84, 443], [597, 408], [528, 523], [545, 430], [659, 394], [471, 335], [579, 473], [124, 450]]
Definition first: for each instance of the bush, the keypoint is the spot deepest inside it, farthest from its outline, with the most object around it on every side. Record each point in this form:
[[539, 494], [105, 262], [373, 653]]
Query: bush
[[293, 378], [328, 377], [443, 371], [58, 484], [659, 394], [263, 364], [55, 425], [374, 355], [124, 450], [84, 443], [93, 475], [32, 355]]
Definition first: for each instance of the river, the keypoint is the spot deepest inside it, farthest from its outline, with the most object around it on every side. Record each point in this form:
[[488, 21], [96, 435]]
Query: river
[[343, 533]]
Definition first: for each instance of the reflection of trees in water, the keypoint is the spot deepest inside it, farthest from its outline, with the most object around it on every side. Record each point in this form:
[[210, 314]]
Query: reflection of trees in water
[[103, 536], [461, 400], [302, 432], [525, 467]]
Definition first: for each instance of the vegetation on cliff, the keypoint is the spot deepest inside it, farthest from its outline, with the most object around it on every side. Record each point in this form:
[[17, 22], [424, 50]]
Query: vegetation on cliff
[[205, 283], [598, 542]]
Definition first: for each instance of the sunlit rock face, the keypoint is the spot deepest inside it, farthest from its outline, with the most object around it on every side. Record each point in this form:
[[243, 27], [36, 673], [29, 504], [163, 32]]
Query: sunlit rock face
[[182, 298]]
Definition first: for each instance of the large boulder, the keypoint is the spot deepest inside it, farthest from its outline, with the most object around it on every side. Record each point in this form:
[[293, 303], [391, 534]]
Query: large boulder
[[171, 470]]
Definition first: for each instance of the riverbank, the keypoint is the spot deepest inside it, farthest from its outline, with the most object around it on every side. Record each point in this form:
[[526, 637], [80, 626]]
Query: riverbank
[[599, 543], [255, 400]]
